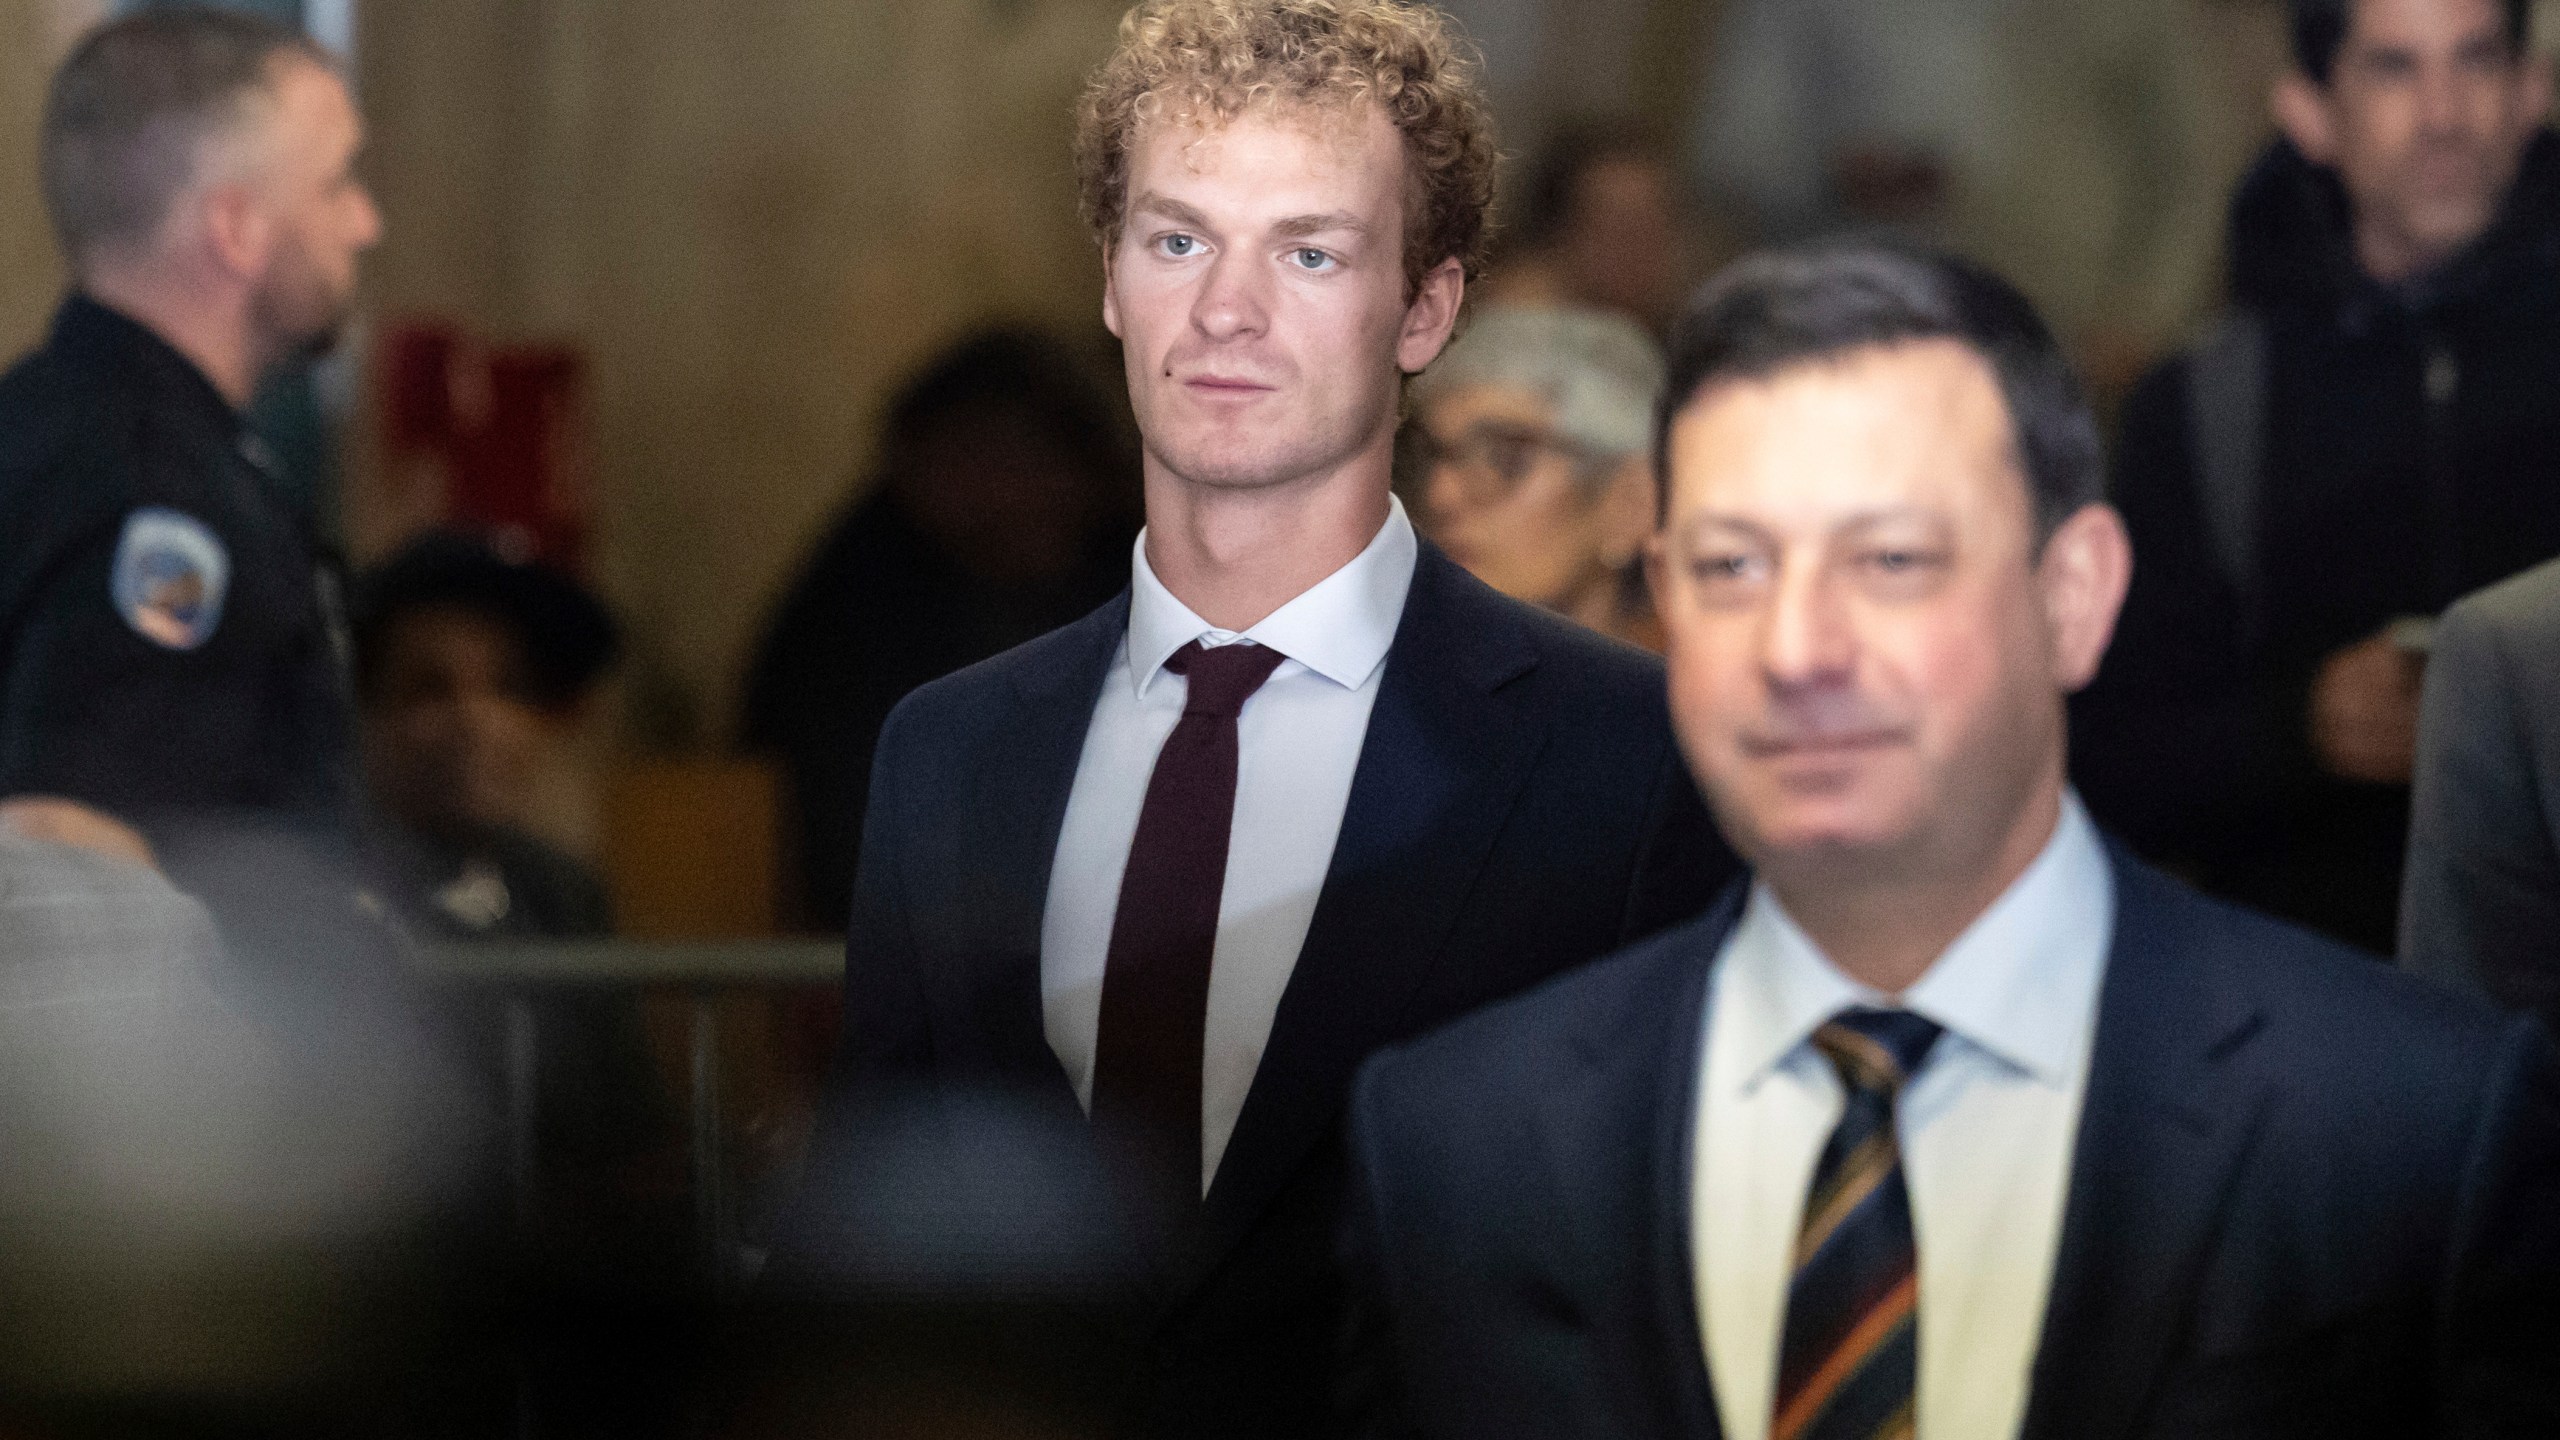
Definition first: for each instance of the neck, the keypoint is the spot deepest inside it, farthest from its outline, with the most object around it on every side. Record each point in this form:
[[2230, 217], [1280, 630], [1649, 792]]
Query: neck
[[1234, 555], [1885, 930], [205, 324]]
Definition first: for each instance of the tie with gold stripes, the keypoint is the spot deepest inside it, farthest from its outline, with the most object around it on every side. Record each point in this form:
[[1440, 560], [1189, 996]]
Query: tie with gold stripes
[[1849, 1359]]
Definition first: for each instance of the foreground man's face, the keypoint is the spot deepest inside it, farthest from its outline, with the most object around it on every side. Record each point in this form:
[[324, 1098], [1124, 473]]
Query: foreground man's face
[[1258, 292], [1866, 658]]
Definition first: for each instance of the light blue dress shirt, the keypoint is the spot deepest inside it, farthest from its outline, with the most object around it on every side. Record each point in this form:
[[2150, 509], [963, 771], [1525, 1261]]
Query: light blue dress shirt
[[1987, 1128]]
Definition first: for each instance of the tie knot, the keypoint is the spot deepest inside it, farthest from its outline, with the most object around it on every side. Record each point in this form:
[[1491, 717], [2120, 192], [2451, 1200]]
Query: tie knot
[[1876, 1051], [1222, 677]]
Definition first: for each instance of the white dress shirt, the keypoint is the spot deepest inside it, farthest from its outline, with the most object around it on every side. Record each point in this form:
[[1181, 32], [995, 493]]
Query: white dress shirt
[[1298, 742], [1986, 1129]]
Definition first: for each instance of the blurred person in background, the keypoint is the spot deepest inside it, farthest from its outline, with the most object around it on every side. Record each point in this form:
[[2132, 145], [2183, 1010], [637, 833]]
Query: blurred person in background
[[1001, 508], [171, 648], [1532, 431], [470, 671], [1602, 221], [2366, 435], [2054, 140], [207, 1228]]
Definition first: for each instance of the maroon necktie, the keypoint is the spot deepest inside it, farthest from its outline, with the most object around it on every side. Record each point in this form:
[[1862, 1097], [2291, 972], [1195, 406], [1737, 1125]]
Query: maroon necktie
[[1155, 983]]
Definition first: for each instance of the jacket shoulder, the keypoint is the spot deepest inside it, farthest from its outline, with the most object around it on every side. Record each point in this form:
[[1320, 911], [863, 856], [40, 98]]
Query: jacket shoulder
[[1512, 1043], [2521, 609], [2352, 1018], [1067, 656]]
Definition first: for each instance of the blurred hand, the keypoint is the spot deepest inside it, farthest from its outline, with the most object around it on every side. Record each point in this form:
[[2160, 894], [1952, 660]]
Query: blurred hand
[[57, 821], [2364, 711]]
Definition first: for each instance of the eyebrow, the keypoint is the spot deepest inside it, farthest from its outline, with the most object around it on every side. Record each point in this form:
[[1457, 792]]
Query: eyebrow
[[1170, 209], [1295, 227], [1298, 227]]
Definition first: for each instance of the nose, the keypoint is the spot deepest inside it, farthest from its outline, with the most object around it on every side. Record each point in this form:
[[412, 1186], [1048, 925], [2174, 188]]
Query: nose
[[2441, 97], [1806, 637], [1232, 302], [368, 220]]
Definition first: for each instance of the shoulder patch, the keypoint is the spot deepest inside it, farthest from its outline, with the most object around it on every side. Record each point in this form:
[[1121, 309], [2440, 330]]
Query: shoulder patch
[[171, 573]]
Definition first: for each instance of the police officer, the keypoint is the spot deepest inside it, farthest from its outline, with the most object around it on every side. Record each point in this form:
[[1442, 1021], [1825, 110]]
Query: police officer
[[169, 648]]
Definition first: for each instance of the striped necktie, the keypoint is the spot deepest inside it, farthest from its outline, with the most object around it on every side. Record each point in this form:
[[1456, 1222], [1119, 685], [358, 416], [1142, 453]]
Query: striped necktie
[[1849, 1358]]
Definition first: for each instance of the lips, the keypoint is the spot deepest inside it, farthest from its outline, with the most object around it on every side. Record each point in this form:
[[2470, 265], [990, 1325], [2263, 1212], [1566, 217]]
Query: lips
[[1227, 385], [1819, 747]]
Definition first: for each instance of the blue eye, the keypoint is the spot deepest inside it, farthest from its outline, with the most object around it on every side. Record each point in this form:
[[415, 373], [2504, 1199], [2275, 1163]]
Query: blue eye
[[1307, 257], [1177, 246]]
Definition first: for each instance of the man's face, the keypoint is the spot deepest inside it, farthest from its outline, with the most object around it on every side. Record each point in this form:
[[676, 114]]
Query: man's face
[[1867, 659], [2425, 116], [321, 213], [1510, 501], [1258, 291]]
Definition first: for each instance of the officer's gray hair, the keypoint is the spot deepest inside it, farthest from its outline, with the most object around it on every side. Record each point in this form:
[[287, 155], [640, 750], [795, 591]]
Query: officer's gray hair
[[132, 112], [1599, 373]]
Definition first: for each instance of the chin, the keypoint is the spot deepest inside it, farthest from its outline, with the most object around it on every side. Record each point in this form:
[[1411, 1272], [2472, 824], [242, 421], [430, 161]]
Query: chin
[[1785, 827]]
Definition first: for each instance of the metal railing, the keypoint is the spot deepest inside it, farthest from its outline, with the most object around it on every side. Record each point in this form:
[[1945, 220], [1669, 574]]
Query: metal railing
[[707, 970]]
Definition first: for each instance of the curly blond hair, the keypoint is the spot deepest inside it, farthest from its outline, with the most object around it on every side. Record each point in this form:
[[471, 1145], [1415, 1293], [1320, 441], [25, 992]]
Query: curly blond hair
[[1209, 61]]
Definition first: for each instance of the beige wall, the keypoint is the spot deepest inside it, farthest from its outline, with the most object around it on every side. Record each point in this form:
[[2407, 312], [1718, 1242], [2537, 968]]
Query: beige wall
[[33, 33], [756, 219]]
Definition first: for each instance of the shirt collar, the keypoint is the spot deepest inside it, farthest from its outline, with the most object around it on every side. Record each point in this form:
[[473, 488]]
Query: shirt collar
[[2020, 983], [1341, 627]]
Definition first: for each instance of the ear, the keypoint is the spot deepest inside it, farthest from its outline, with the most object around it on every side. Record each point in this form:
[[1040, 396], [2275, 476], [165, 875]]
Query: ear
[[2083, 574], [1626, 511], [2300, 107], [1111, 293], [238, 231], [1431, 317]]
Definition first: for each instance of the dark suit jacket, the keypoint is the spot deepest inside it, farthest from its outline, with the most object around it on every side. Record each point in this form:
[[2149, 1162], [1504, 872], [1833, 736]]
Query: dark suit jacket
[[1518, 808], [2310, 1196]]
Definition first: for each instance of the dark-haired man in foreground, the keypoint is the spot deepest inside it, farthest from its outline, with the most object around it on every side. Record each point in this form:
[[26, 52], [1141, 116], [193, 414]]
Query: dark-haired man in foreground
[[1957, 1120]]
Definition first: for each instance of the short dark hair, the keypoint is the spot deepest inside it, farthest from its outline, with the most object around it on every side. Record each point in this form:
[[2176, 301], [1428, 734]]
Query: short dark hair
[[1780, 309], [566, 636], [129, 107], [2320, 28]]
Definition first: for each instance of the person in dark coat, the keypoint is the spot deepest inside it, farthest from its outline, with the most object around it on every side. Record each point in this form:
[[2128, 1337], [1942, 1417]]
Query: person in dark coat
[[1002, 508], [2367, 434], [466, 664]]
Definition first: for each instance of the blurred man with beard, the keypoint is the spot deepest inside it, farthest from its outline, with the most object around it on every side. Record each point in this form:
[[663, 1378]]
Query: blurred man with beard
[[170, 645]]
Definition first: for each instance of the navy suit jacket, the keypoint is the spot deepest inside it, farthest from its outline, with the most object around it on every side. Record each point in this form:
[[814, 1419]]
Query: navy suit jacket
[[2310, 1197], [1518, 808]]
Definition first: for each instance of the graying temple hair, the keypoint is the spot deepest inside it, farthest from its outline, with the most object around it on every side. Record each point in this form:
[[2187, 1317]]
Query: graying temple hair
[[129, 115], [1600, 373]]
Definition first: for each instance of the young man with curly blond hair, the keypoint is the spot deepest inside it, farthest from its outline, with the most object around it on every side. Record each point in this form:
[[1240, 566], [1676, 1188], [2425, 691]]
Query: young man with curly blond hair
[[1306, 788]]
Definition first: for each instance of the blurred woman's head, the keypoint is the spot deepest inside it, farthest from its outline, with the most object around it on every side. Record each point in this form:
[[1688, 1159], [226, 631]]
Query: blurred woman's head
[[1533, 434]]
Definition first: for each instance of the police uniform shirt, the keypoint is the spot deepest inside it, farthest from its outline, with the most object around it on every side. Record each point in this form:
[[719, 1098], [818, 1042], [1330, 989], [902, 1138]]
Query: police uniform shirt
[[166, 647]]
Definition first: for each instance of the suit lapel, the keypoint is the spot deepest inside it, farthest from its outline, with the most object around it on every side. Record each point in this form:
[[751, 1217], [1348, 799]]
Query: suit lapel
[[1616, 1133], [1023, 799], [1447, 750], [2166, 1120]]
